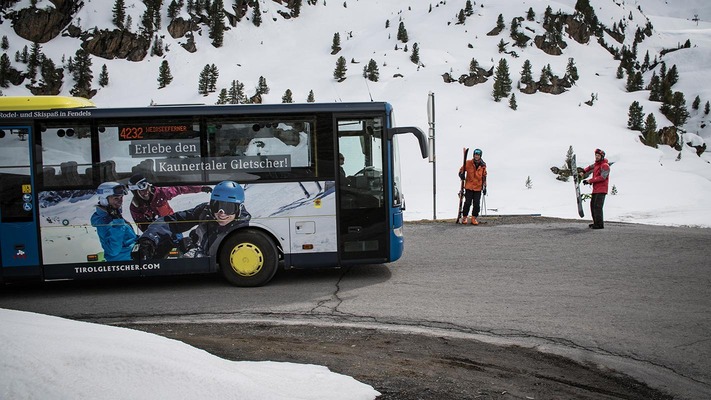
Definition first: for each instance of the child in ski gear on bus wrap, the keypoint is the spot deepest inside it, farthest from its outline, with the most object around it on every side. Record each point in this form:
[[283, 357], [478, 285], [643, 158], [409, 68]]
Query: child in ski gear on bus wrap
[[150, 203], [599, 181], [473, 173], [212, 221], [115, 234]]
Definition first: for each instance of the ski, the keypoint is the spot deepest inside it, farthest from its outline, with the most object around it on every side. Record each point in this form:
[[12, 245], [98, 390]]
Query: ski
[[461, 189], [576, 182]]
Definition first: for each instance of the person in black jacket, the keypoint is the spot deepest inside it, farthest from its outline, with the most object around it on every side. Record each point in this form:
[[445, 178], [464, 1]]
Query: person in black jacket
[[224, 213]]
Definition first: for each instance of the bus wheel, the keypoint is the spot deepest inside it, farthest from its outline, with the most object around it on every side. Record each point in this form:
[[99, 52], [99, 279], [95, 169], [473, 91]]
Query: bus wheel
[[248, 258]]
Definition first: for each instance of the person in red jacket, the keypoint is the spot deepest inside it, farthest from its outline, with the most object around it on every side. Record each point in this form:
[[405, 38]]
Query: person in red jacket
[[150, 203], [599, 181], [474, 175]]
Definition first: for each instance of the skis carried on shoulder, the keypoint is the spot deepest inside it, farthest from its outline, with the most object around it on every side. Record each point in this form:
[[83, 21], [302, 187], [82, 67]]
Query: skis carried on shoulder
[[576, 182], [461, 188]]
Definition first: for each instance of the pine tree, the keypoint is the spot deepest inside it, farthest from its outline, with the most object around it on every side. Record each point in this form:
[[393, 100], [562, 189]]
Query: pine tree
[[654, 87], [119, 14], [530, 15], [148, 19], [526, 73], [620, 72], [339, 73], [240, 8], [34, 60], [512, 102], [104, 76], [262, 87], [157, 48], [651, 138], [502, 46], [217, 23], [164, 76], [25, 55], [6, 67], [70, 65], [51, 80], [468, 8], [157, 4], [222, 97], [584, 7], [697, 102], [236, 93], [502, 81], [214, 74], [529, 182], [311, 98], [473, 65], [371, 71], [287, 97], [562, 176], [547, 16], [544, 79], [336, 44], [174, 9], [402, 33], [645, 63], [415, 56], [5, 43], [296, 9], [256, 14], [571, 70], [204, 80], [515, 24], [635, 114], [707, 108], [634, 82], [461, 17], [82, 74], [676, 111], [672, 76], [500, 25]]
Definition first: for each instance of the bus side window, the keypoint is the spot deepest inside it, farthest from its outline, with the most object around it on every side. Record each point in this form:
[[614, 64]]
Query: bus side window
[[66, 150], [231, 140]]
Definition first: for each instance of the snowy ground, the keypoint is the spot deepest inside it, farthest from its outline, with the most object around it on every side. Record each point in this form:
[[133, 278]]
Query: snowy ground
[[79, 360]]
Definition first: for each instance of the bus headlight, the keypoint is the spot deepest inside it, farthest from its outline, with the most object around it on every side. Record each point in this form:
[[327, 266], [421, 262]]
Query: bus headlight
[[398, 231]]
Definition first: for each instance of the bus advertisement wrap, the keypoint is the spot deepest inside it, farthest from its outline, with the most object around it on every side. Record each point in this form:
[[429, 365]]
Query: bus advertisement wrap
[[70, 233]]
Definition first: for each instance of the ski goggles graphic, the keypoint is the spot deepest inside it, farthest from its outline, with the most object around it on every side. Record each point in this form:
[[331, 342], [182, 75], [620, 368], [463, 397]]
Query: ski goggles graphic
[[143, 184], [217, 206], [118, 190]]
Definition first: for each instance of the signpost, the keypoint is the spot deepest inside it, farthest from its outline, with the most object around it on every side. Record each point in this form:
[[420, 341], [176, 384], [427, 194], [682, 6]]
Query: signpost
[[432, 159]]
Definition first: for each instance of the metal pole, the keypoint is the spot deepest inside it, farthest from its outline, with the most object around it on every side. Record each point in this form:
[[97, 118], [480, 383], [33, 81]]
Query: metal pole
[[433, 159]]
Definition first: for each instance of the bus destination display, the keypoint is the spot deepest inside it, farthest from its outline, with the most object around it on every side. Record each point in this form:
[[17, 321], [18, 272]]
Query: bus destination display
[[149, 132]]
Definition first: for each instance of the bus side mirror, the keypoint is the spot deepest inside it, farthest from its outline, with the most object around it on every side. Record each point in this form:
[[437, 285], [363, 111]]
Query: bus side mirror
[[421, 138]]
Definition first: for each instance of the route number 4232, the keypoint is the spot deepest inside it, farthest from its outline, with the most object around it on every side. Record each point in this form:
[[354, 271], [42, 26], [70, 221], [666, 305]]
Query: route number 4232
[[131, 133]]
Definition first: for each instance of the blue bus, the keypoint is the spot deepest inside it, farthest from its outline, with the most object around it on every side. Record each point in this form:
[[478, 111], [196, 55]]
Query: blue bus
[[244, 190]]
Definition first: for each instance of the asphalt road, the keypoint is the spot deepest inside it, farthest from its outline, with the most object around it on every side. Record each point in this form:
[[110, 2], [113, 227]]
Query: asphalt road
[[633, 298]]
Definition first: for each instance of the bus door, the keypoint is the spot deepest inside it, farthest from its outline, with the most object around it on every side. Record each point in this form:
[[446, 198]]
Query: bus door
[[18, 224], [362, 218]]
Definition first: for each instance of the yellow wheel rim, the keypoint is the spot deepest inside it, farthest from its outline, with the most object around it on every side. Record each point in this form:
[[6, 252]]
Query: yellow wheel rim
[[246, 259]]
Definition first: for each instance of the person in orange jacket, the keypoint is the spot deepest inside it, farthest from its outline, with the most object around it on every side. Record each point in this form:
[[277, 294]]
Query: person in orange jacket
[[474, 175]]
